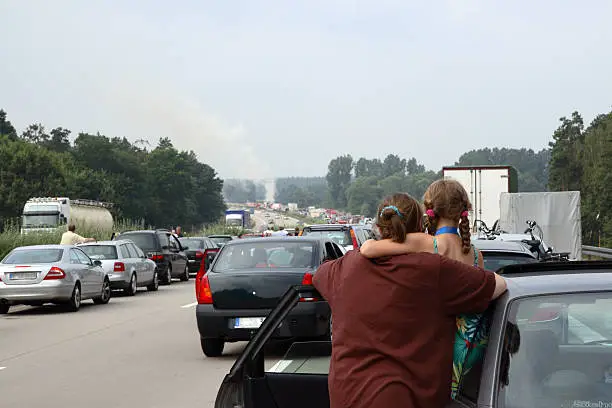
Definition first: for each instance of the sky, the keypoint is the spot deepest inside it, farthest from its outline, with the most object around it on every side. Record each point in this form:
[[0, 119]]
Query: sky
[[262, 89]]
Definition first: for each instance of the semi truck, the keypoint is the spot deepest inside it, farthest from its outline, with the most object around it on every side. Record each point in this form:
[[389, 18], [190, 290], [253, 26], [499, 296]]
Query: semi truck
[[49, 214], [238, 218], [484, 185]]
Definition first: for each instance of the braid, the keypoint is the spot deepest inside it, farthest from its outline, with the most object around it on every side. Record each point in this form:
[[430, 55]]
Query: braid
[[431, 224], [466, 236]]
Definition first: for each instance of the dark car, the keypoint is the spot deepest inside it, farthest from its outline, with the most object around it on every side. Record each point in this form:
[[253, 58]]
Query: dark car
[[349, 236], [200, 249], [498, 254], [163, 248], [245, 281], [221, 240], [535, 358]]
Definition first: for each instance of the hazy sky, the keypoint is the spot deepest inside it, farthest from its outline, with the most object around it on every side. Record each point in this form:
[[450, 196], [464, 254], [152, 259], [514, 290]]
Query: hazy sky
[[278, 88]]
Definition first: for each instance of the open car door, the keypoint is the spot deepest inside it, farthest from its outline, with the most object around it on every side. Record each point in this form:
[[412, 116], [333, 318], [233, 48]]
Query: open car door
[[299, 380]]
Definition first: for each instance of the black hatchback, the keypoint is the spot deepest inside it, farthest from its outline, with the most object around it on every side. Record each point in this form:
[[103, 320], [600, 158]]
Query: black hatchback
[[200, 249], [245, 282], [163, 248]]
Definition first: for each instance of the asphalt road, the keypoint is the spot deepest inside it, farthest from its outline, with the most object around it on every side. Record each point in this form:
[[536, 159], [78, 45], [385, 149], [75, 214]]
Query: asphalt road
[[140, 351]]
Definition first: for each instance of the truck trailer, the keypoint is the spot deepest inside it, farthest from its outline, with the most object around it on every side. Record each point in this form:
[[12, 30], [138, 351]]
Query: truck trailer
[[238, 218], [484, 185], [49, 214]]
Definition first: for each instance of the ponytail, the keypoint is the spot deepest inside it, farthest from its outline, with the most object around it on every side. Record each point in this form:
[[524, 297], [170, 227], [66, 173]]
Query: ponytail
[[464, 232]]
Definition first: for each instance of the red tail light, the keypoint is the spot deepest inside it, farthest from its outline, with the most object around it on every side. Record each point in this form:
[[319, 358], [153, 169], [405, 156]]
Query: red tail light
[[545, 314], [199, 255], [55, 273], [119, 267], [307, 281], [354, 238], [203, 292], [157, 257]]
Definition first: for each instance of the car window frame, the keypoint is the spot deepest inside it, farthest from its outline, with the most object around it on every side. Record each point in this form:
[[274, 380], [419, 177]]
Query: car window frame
[[72, 261], [133, 255], [87, 258]]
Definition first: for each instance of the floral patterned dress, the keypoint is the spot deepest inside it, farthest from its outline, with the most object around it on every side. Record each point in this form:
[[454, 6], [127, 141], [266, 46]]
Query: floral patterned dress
[[470, 340]]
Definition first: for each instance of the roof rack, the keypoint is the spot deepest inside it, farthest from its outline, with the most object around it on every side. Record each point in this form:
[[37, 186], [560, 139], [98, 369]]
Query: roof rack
[[91, 203], [557, 268]]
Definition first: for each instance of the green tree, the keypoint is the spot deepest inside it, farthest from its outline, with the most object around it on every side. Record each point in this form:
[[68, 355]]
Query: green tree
[[363, 196], [393, 164], [565, 169], [6, 128], [339, 178]]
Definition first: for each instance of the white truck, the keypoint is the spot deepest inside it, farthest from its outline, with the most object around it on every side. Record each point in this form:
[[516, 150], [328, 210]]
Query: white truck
[[49, 214], [484, 185]]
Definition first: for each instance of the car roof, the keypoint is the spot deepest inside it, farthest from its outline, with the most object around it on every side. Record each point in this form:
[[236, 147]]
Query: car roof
[[545, 278], [115, 242], [323, 227], [45, 246], [277, 239], [487, 245]]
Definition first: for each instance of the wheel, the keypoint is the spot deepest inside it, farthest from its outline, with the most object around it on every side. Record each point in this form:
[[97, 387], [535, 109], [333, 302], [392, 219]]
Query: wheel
[[74, 304], [4, 308], [105, 295], [168, 278], [133, 287], [212, 347], [153, 286], [185, 275]]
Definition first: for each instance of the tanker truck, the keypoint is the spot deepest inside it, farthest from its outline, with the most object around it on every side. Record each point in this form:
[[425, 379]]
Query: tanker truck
[[50, 214]]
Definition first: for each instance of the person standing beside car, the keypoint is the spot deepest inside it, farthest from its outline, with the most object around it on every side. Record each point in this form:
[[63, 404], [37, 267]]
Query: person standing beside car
[[394, 317], [71, 238]]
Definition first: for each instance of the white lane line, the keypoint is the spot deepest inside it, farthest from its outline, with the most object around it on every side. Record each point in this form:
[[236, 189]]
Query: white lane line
[[189, 305], [2, 368]]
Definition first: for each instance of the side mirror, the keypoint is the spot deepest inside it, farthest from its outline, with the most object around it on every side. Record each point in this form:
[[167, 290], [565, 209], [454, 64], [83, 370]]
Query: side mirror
[[185, 248], [97, 263]]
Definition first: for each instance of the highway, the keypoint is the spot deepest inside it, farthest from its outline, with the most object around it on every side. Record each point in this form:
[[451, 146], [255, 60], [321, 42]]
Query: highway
[[140, 351], [261, 221]]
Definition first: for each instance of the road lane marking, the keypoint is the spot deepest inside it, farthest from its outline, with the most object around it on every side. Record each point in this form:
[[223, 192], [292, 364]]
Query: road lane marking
[[2, 368], [189, 305], [584, 332]]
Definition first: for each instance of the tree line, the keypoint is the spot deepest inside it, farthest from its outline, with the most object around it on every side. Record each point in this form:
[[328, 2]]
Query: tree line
[[243, 191], [159, 186]]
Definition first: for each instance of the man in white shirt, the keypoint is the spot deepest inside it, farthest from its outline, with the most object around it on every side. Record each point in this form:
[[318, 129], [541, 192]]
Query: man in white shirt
[[71, 238], [281, 232]]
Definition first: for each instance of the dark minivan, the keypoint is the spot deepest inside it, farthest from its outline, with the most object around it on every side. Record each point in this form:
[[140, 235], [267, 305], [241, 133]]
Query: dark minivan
[[165, 249]]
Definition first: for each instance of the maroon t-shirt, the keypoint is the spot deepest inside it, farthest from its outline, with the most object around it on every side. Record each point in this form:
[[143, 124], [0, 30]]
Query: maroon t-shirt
[[394, 325]]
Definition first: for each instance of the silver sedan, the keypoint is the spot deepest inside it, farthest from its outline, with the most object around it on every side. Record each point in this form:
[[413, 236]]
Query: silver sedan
[[60, 274]]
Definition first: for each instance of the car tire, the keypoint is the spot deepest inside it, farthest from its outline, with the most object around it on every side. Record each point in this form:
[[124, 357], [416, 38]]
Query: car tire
[[4, 308], [168, 277], [74, 304], [105, 296], [154, 286], [185, 275], [132, 287], [212, 347]]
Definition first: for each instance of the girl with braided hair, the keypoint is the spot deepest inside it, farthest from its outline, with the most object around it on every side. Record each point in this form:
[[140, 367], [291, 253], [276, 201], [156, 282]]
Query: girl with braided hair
[[447, 233]]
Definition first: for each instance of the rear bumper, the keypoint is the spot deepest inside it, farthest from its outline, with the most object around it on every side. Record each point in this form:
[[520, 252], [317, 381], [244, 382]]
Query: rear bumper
[[44, 291], [119, 280], [308, 319]]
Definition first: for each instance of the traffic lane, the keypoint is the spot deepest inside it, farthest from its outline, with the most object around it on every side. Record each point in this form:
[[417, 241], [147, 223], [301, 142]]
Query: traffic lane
[[133, 352]]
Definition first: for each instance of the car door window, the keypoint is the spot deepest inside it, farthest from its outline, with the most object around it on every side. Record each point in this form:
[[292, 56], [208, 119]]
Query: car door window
[[337, 249], [330, 252], [123, 251], [139, 252], [74, 257], [84, 259], [173, 243], [132, 251], [163, 240]]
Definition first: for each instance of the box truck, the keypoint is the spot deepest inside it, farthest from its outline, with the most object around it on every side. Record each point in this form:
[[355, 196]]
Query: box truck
[[484, 185], [49, 214], [238, 218]]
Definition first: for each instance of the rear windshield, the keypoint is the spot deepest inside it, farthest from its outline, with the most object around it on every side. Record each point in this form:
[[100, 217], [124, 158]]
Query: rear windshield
[[273, 255], [100, 252], [496, 260], [220, 240], [191, 243], [21, 256], [340, 237], [146, 242]]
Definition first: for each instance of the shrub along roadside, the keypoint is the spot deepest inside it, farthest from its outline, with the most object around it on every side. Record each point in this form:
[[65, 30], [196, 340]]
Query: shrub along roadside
[[11, 238]]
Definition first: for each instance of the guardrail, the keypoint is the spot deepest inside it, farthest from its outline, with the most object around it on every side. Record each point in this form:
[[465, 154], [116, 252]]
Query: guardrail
[[605, 253]]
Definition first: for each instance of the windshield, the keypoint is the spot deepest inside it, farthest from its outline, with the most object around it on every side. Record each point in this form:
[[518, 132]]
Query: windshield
[[265, 255], [340, 237], [146, 242], [100, 252], [562, 352], [24, 256], [191, 243], [40, 220], [496, 260]]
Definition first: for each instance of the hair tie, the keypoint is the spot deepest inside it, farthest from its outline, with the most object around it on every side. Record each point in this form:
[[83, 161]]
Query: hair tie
[[430, 213], [465, 213], [392, 207]]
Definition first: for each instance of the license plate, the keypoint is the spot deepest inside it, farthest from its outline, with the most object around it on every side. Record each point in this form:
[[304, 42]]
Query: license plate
[[248, 322], [22, 275]]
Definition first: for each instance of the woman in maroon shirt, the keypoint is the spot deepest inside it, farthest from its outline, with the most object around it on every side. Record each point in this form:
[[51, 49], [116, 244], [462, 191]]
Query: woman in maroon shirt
[[394, 318]]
